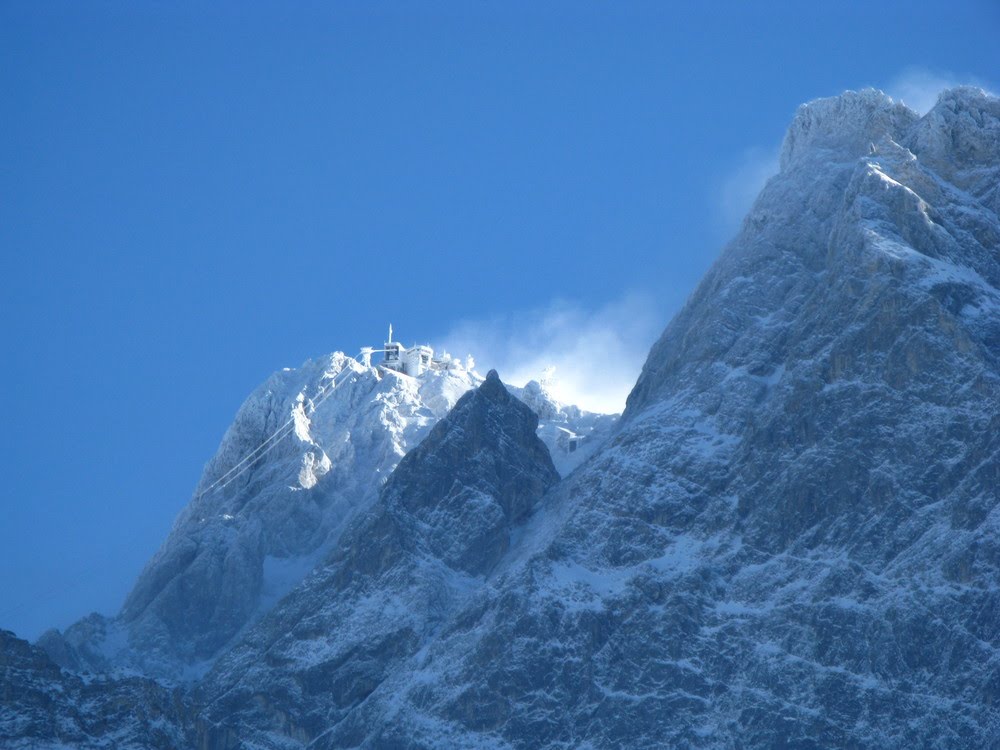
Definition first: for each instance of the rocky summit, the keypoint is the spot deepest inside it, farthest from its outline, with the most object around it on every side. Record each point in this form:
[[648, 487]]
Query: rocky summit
[[791, 537]]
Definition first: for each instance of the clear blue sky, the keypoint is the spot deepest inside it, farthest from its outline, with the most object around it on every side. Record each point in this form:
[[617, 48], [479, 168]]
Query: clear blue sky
[[192, 197]]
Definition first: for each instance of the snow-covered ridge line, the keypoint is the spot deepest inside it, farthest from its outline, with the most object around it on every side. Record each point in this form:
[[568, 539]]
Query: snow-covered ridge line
[[306, 452], [791, 540]]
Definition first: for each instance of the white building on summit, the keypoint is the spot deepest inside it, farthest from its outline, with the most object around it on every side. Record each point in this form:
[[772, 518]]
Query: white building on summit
[[414, 361]]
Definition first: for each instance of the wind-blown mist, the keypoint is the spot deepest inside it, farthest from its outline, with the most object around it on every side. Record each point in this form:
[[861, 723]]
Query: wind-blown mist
[[919, 88], [742, 185], [590, 358], [915, 86]]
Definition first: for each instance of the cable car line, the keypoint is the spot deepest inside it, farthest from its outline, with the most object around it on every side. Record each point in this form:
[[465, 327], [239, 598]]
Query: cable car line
[[278, 435]]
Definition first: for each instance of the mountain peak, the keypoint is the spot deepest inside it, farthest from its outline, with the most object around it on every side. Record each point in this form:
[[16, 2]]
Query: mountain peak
[[960, 139], [965, 98], [493, 387], [487, 447], [443, 521], [846, 125]]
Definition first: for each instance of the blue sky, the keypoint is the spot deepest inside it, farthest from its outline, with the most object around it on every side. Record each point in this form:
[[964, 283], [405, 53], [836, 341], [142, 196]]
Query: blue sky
[[193, 197]]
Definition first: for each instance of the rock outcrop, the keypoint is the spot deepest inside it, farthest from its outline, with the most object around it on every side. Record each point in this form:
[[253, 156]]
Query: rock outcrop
[[43, 706], [443, 522], [791, 538]]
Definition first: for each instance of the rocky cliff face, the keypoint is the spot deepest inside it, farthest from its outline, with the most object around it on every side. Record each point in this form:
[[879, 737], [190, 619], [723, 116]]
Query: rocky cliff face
[[790, 539], [236, 549], [42, 706], [444, 520]]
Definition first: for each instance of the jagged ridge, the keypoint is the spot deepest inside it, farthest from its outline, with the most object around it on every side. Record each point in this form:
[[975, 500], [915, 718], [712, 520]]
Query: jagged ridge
[[790, 539], [234, 552], [442, 523]]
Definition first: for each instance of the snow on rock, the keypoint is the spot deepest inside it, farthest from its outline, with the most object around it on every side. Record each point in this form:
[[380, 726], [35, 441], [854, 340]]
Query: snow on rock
[[790, 538], [443, 521], [570, 433], [44, 707], [210, 578], [844, 127]]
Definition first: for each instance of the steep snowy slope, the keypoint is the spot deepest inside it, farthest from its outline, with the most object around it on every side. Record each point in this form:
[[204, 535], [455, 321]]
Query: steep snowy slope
[[235, 550], [444, 520], [791, 539]]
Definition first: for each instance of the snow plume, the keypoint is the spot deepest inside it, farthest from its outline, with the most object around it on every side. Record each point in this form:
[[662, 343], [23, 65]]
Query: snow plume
[[918, 88], [742, 185], [590, 358]]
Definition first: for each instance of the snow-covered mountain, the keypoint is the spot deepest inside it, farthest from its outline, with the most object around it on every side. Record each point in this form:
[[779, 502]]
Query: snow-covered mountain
[[791, 538], [444, 521], [242, 544]]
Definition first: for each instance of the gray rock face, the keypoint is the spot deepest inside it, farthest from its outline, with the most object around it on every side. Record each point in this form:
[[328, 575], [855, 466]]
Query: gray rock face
[[235, 550], [41, 706], [791, 538], [443, 521]]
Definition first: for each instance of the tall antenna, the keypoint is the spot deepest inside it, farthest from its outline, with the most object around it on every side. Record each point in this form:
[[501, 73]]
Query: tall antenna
[[390, 333]]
